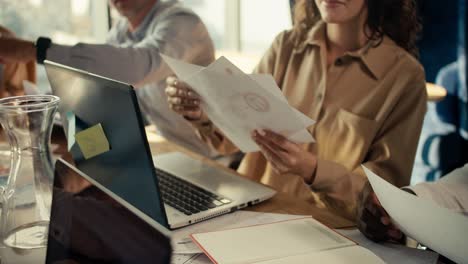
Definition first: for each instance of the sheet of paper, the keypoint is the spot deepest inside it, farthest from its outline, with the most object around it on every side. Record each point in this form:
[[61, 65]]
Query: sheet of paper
[[237, 104], [269, 241], [392, 253], [438, 228], [92, 141], [182, 69], [267, 82], [182, 244], [354, 254]]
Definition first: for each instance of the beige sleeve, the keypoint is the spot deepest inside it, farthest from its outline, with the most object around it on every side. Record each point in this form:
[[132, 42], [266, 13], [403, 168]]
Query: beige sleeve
[[390, 155], [450, 192]]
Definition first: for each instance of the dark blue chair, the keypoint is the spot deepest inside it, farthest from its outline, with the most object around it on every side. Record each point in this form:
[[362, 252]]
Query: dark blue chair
[[443, 145], [438, 43]]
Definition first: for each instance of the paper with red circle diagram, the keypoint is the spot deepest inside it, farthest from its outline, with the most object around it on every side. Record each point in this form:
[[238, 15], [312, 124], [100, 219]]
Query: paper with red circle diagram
[[238, 103]]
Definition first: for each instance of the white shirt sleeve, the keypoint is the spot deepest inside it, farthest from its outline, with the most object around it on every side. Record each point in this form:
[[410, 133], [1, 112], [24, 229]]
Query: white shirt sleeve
[[124, 64], [451, 191], [180, 35]]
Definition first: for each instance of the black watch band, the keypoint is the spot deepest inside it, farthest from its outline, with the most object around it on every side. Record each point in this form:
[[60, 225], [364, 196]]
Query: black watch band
[[42, 45]]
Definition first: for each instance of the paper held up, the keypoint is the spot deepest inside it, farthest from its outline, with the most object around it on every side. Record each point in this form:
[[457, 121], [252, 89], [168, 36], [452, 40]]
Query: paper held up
[[238, 103], [438, 228]]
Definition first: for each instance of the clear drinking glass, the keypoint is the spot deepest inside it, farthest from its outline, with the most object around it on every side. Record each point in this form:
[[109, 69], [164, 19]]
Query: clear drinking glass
[[27, 196]]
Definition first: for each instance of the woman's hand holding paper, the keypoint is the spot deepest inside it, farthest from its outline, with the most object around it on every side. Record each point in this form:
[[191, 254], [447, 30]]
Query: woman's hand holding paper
[[286, 156], [182, 99]]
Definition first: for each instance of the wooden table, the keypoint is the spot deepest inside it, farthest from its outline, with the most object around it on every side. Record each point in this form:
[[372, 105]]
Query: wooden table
[[280, 203]]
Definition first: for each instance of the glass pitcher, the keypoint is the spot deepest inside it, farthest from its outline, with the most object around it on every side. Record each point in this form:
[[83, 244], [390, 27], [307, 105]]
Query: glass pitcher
[[26, 198]]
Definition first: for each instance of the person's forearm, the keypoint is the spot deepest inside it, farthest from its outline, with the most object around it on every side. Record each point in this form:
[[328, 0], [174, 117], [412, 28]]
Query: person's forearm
[[450, 196], [17, 50], [338, 187], [130, 65]]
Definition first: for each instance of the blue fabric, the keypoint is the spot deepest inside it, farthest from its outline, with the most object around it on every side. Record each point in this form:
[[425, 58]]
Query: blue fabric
[[443, 145], [437, 45]]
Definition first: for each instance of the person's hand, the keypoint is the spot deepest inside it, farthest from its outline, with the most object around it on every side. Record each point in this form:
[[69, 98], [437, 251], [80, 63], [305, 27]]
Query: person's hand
[[5, 33], [182, 99], [16, 50], [286, 156], [372, 219]]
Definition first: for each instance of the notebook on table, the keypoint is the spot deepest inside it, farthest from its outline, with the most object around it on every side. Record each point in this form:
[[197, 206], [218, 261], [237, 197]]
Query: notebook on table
[[302, 240]]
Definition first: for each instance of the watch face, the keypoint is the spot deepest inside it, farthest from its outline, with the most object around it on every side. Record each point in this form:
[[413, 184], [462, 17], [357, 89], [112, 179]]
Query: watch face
[[42, 44]]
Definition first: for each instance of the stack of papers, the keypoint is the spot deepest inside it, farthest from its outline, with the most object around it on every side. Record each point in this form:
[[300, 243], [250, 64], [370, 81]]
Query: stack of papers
[[238, 103]]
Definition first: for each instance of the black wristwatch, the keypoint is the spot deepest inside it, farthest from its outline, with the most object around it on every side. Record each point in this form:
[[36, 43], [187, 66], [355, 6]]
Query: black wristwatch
[[42, 45]]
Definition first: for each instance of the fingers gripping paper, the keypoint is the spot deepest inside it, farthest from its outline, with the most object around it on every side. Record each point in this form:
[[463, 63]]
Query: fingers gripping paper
[[438, 228], [238, 103]]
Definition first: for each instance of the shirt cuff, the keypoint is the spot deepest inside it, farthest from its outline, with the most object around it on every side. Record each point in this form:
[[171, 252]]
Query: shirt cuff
[[327, 172]]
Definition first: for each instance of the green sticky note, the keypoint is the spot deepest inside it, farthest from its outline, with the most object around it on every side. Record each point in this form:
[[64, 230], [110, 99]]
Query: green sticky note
[[92, 141]]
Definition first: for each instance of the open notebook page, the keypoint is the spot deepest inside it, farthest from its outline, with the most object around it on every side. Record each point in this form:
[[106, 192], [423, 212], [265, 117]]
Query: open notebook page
[[271, 241]]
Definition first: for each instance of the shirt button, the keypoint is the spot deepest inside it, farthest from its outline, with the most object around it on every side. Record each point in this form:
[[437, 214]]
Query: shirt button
[[339, 62], [319, 96]]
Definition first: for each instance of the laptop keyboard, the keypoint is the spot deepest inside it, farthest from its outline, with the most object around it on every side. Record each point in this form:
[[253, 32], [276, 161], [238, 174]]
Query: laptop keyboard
[[186, 197]]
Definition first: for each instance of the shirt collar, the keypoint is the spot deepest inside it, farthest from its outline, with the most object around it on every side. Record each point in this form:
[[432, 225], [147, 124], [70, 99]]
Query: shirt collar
[[376, 57], [140, 31], [315, 36]]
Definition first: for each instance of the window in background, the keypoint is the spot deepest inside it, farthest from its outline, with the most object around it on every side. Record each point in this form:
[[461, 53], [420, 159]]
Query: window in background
[[65, 22], [261, 21], [212, 13], [242, 30]]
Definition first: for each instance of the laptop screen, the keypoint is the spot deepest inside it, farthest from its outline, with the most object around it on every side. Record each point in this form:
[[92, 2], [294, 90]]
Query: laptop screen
[[127, 168], [89, 224]]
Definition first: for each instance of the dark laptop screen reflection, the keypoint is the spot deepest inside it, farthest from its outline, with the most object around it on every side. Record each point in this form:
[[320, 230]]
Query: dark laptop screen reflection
[[88, 226]]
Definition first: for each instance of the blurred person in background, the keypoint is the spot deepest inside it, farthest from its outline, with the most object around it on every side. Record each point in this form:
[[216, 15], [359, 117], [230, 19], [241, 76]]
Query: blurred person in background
[[443, 145], [352, 66], [12, 74], [132, 55]]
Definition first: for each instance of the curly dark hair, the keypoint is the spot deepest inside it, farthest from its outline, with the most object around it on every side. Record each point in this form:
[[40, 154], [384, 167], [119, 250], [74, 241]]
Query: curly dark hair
[[398, 19]]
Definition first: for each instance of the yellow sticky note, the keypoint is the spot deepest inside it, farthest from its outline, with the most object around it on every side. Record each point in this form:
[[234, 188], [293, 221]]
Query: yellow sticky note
[[92, 141]]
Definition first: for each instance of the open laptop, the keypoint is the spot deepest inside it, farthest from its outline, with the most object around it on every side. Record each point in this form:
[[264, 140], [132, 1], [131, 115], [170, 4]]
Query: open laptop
[[90, 224], [179, 191]]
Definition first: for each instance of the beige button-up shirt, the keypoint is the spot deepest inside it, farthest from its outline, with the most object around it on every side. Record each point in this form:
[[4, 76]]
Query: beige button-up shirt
[[369, 107]]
